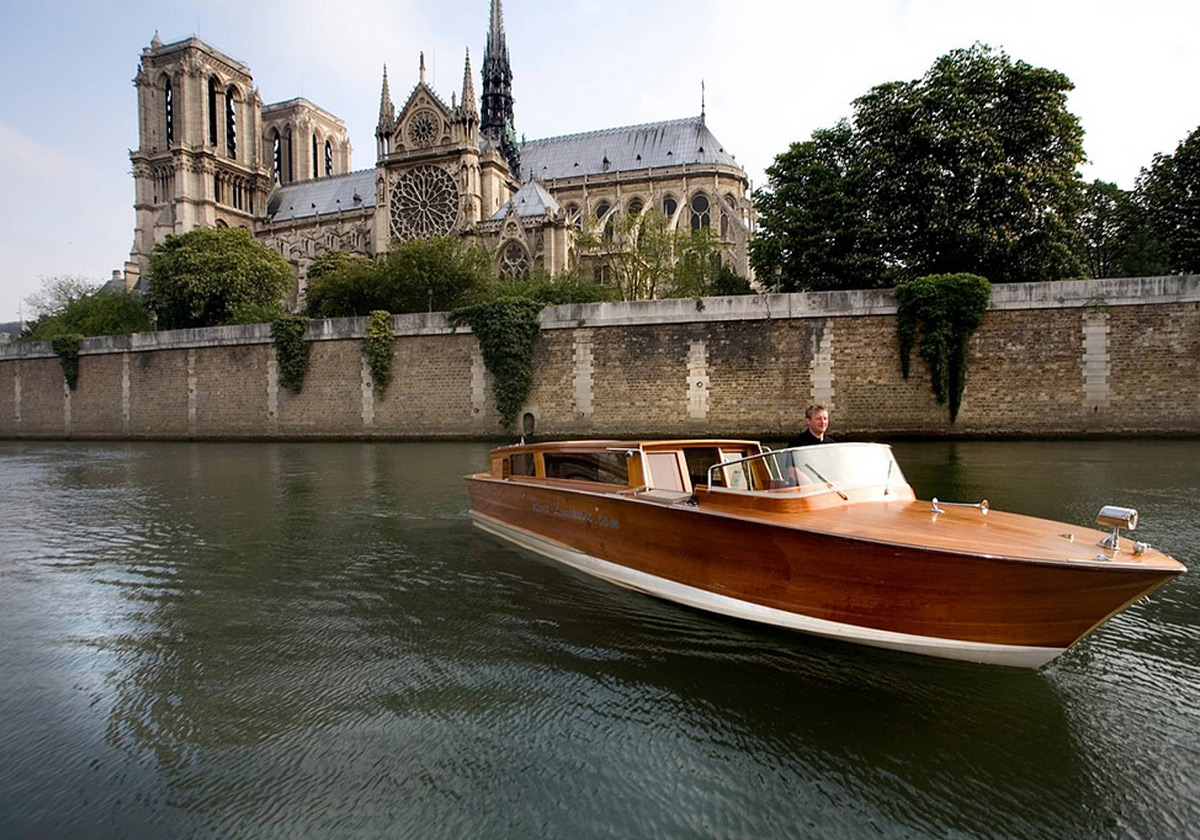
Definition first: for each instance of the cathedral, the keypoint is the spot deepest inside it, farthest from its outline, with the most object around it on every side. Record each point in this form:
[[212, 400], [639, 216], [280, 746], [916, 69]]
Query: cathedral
[[211, 154]]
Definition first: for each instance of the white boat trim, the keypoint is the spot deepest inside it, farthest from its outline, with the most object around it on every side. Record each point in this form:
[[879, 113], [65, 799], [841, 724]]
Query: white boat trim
[[1016, 656]]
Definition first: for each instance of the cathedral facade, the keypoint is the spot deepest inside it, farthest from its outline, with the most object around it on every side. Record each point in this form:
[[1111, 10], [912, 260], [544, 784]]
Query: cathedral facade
[[211, 154]]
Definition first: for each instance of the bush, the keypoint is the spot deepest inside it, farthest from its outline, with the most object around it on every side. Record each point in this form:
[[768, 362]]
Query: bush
[[208, 277], [94, 313], [507, 331]]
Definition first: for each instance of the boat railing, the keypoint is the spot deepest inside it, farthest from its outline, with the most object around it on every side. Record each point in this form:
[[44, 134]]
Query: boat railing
[[833, 467]]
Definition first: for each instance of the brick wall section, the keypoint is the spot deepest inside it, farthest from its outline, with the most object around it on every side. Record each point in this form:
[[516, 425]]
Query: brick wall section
[[42, 397], [158, 395], [1155, 366], [94, 412], [231, 390], [1067, 358]]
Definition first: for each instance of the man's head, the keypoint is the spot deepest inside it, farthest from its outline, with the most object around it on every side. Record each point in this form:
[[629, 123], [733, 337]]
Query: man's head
[[817, 417]]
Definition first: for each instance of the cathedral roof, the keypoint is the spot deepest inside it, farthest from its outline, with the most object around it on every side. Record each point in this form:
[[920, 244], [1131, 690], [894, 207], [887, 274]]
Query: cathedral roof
[[669, 143], [531, 200], [352, 191]]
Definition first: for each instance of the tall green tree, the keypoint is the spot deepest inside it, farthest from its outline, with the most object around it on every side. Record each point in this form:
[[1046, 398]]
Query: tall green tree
[[208, 276], [974, 168], [815, 227], [971, 168], [1115, 236], [1169, 191]]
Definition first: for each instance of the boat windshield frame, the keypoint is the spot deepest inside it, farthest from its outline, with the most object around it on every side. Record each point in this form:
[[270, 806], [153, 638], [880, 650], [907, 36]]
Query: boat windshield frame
[[829, 467]]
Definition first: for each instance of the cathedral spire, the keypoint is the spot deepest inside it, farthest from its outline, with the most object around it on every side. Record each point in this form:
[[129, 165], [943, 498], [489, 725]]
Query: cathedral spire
[[468, 89], [496, 121], [387, 110]]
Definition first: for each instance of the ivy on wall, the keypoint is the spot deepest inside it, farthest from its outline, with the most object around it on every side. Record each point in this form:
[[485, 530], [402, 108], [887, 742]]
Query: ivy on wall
[[66, 347], [942, 310], [291, 350], [378, 347], [507, 331]]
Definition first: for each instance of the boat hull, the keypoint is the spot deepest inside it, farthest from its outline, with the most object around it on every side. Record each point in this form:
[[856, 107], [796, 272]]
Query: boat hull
[[939, 603]]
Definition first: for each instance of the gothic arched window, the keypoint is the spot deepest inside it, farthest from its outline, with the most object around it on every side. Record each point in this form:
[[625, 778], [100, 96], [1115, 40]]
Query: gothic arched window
[[316, 174], [231, 121], [635, 207], [276, 156], [287, 150], [601, 211], [514, 262], [670, 205], [212, 110], [169, 110], [700, 211], [328, 159]]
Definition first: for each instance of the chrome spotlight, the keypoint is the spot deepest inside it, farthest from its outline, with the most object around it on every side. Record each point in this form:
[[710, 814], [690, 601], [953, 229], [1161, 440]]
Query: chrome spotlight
[[1111, 516]]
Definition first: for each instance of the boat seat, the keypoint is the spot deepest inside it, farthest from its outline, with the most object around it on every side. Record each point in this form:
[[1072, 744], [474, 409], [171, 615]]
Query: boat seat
[[667, 497]]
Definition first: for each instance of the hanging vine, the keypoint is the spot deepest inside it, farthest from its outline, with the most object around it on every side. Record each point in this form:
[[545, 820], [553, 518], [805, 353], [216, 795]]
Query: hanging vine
[[507, 331], [378, 347], [943, 310], [291, 350], [66, 347]]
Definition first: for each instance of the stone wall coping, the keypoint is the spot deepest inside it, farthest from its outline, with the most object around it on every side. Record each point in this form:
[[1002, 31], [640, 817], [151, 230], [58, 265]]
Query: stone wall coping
[[1134, 291]]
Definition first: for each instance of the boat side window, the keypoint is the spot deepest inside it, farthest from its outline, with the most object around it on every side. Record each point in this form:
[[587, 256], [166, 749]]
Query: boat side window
[[664, 471], [604, 467], [699, 459], [522, 464]]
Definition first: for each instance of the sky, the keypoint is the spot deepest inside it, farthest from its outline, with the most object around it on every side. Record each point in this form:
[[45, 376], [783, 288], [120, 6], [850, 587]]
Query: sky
[[773, 71]]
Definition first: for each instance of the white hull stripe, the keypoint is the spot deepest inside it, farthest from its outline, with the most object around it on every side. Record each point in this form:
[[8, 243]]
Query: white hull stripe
[[1017, 656]]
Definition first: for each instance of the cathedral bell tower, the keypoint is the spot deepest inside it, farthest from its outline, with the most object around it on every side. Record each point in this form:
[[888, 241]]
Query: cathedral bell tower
[[496, 122], [198, 161]]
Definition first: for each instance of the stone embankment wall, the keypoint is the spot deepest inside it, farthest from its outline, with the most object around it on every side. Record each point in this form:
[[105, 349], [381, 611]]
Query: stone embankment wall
[[1070, 358]]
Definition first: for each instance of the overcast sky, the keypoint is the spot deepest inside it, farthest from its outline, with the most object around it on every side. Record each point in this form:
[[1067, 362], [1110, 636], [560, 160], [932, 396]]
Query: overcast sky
[[774, 70]]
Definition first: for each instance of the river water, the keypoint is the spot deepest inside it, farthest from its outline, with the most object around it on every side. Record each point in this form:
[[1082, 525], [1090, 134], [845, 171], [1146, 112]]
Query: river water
[[310, 640]]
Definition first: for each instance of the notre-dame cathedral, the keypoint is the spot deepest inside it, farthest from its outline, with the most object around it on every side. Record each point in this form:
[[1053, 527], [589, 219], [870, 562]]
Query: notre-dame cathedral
[[211, 154]]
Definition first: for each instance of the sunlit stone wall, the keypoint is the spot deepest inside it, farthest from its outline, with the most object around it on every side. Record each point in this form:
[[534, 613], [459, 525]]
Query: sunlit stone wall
[[1080, 357]]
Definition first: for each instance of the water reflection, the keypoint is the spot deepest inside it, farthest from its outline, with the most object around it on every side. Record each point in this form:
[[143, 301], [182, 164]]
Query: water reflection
[[277, 639]]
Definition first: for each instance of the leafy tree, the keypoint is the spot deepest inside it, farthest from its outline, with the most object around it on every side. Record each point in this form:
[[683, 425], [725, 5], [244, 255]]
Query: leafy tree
[[815, 230], [89, 312], [438, 273], [974, 168], [642, 258], [971, 168], [208, 276], [1170, 193], [1115, 237], [59, 291]]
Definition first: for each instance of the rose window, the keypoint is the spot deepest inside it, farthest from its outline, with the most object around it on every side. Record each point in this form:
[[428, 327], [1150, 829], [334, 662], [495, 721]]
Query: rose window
[[424, 203]]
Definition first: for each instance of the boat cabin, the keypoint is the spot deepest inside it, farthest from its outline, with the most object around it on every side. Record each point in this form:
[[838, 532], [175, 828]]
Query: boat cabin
[[739, 473]]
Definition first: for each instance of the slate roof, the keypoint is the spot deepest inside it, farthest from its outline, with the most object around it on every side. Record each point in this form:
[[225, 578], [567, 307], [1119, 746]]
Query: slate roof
[[323, 195], [669, 143], [531, 200]]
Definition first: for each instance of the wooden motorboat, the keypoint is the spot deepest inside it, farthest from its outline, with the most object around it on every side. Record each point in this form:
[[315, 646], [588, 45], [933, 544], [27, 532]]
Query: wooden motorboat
[[827, 539]]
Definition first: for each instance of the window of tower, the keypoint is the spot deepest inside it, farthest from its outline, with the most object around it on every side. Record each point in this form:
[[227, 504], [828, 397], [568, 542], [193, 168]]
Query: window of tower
[[328, 159], [276, 156], [231, 121], [315, 172], [217, 188], [700, 211], [169, 106], [212, 110], [287, 144]]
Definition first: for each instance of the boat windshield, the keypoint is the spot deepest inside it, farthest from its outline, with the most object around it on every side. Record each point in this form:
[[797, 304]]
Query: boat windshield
[[831, 466]]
